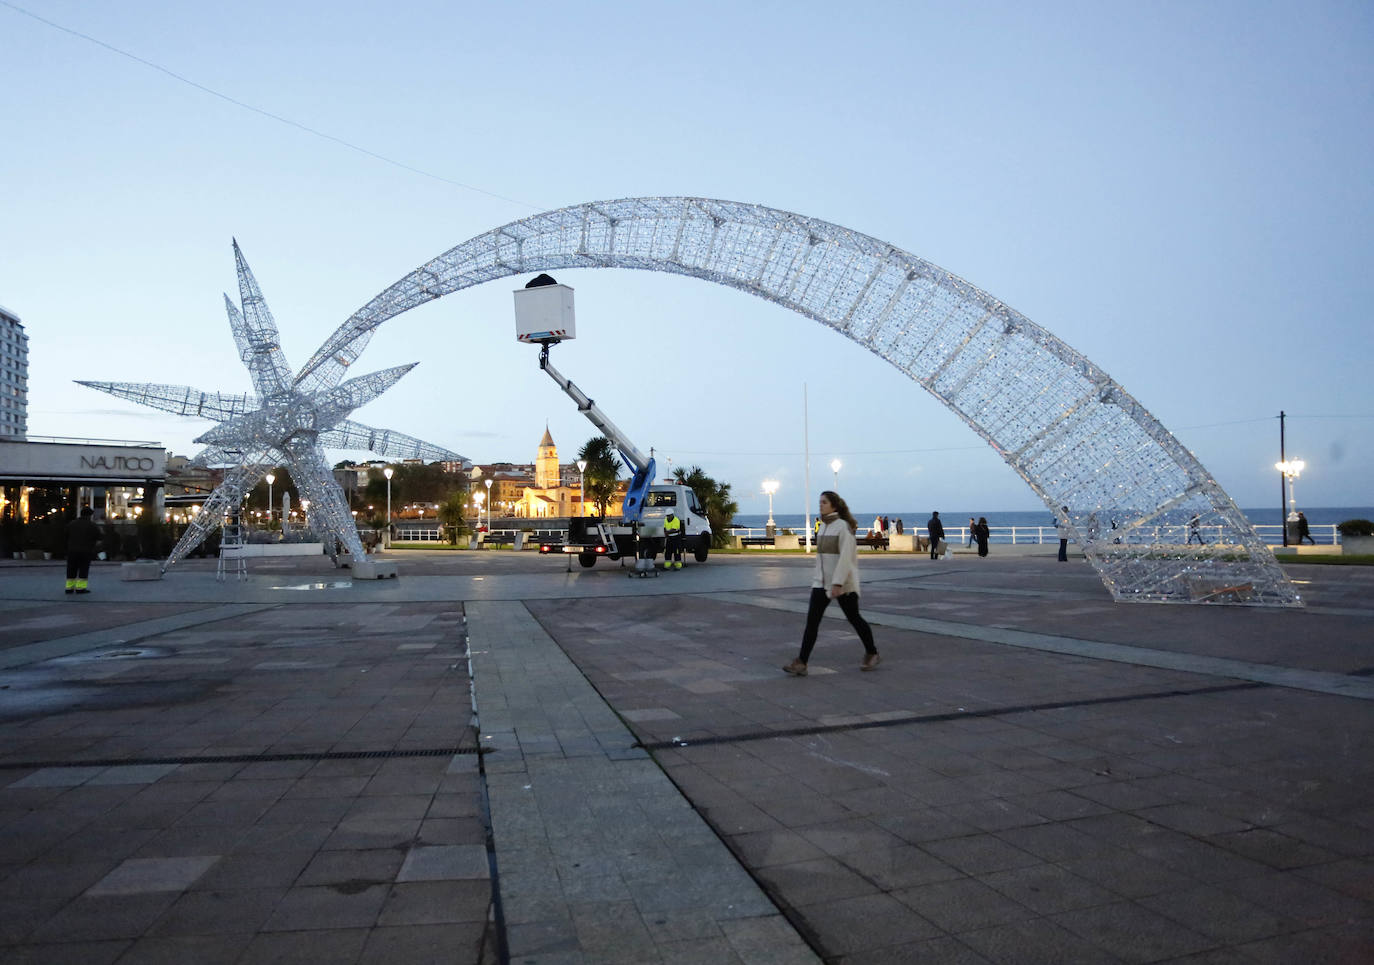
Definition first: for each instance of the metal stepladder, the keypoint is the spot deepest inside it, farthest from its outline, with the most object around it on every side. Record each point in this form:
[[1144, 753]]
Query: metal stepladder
[[232, 546]]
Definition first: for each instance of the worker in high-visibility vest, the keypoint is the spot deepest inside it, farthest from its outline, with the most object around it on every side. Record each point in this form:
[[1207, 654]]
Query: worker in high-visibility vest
[[672, 551]]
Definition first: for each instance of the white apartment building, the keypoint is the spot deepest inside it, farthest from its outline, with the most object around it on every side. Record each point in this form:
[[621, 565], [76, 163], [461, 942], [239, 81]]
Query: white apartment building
[[14, 376]]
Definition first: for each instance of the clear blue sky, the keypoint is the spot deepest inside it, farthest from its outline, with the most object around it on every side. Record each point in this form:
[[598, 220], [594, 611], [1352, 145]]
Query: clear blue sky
[[1179, 190]]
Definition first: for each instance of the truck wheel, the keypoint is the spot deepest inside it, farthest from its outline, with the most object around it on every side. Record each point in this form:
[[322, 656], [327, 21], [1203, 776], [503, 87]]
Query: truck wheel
[[703, 547], [588, 560]]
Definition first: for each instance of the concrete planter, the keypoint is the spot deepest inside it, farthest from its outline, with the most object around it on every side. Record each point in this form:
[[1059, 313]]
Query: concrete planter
[[1357, 545]]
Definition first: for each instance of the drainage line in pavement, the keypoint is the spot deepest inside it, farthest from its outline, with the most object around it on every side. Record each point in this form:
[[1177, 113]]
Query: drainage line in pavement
[[244, 758], [941, 718], [498, 913]]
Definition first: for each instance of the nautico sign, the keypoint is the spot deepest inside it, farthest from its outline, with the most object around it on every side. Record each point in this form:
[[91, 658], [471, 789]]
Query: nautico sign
[[120, 463], [94, 461]]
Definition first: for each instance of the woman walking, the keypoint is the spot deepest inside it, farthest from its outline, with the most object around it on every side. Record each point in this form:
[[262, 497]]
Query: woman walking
[[981, 533], [837, 578]]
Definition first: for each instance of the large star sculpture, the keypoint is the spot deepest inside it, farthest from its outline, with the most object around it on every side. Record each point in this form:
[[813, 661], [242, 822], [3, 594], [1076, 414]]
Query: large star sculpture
[[287, 422]]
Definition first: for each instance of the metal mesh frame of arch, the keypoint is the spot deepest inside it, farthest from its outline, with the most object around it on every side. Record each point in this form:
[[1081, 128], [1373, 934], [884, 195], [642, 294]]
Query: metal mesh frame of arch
[[1138, 502]]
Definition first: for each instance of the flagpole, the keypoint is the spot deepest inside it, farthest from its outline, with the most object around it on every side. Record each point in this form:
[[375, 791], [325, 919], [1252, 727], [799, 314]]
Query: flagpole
[[806, 446]]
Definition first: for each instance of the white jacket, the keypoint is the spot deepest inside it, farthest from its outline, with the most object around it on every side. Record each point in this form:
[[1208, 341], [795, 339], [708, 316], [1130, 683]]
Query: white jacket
[[837, 558]]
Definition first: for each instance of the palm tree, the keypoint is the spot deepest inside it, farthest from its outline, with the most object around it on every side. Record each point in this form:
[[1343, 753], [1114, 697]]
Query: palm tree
[[602, 473]]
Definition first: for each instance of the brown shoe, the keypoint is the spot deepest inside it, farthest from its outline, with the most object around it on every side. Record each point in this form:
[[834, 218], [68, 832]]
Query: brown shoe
[[796, 668], [871, 660]]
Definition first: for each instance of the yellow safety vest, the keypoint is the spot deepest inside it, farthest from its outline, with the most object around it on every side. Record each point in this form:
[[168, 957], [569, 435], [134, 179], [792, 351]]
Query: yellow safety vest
[[672, 526]]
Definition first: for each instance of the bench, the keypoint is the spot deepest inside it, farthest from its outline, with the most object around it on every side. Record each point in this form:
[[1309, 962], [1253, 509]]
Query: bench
[[498, 539], [877, 542], [747, 541]]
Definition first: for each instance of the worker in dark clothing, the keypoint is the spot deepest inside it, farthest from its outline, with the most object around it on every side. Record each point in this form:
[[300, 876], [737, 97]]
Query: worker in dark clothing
[[1304, 530], [936, 529], [672, 552], [82, 538]]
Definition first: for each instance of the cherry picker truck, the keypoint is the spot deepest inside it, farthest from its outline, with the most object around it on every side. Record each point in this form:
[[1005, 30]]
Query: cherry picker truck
[[544, 315]]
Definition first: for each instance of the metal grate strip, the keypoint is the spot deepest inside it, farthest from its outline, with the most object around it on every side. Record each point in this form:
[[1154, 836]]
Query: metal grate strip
[[941, 718], [244, 758]]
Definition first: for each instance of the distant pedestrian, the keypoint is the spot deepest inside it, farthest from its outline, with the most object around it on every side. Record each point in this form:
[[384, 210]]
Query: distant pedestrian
[[899, 526], [1062, 525], [109, 539], [972, 530], [837, 578], [877, 526], [982, 533], [1303, 532], [936, 529], [82, 539], [1193, 530]]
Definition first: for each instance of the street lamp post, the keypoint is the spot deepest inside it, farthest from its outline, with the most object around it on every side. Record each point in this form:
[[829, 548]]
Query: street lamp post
[[581, 488], [835, 468], [488, 485], [1291, 469], [270, 480], [770, 486], [388, 472]]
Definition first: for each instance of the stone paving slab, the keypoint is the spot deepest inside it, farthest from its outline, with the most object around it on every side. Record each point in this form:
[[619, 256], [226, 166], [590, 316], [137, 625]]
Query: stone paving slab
[[206, 804], [974, 800], [979, 799], [600, 857]]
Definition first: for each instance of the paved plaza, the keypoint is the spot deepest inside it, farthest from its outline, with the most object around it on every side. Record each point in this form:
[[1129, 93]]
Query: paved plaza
[[494, 759]]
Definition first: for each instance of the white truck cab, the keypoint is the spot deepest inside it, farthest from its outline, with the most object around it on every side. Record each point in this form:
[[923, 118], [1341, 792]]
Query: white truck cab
[[682, 502]]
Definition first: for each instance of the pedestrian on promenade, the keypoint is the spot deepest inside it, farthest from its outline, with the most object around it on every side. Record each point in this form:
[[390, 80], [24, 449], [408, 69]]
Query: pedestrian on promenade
[[1303, 532], [837, 578], [936, 529], [82, 539], [972, 532], [899, 526], [982, 533], [877, 526], [1062, 525], [1193, 532], [109, 538]]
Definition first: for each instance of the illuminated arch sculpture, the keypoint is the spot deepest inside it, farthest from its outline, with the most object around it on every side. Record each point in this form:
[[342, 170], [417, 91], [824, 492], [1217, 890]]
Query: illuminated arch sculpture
[[1075, 435]]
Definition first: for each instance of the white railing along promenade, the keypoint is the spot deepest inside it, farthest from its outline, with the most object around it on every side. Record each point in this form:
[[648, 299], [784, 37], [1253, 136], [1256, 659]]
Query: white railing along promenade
[[1323, 533], [434, 534]]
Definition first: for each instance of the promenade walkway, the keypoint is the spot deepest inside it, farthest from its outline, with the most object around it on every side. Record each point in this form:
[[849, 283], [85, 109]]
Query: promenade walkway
[[492, 759]]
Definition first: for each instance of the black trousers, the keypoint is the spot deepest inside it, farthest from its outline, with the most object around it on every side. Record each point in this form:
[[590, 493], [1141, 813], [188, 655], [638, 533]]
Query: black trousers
[[673, 548], [78, 566], [1063, 551], [849, 603]]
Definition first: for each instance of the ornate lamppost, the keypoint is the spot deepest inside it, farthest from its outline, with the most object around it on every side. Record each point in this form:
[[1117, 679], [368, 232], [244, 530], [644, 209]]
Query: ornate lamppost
[[388, 472], [770, 486], [1291, 469], [581, 487]]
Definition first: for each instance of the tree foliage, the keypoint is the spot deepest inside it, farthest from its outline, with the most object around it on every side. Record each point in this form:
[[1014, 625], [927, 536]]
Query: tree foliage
[[281, 483], [453, 514], [602, 473], [715, 496]]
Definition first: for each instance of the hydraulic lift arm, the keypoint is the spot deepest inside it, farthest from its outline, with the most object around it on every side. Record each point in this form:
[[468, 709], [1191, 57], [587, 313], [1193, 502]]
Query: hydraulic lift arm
[[643, 465]]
